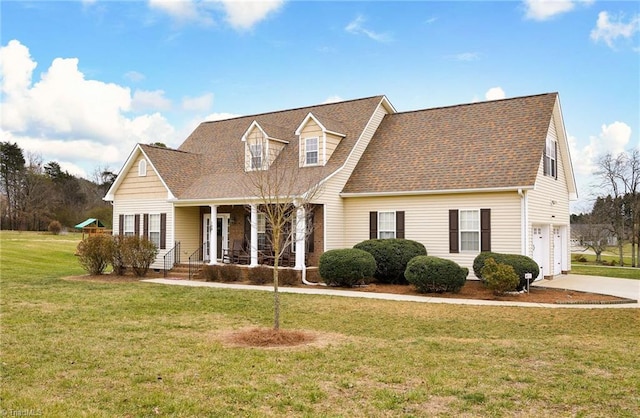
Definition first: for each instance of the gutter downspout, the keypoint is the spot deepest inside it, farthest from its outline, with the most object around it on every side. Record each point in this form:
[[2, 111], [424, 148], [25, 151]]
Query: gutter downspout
[[524, 216]]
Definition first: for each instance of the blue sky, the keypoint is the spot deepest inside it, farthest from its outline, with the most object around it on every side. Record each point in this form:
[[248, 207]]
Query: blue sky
[[83, 81]]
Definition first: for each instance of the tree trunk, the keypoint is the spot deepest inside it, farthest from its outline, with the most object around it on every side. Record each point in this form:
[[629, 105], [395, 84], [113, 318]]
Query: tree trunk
[[276, 294]]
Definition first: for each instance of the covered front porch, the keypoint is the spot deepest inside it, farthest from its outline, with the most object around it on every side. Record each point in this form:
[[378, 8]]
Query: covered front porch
[[239, 234]]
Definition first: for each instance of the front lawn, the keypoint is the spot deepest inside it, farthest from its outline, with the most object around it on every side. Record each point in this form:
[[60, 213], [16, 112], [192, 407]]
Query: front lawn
[[73, 348]]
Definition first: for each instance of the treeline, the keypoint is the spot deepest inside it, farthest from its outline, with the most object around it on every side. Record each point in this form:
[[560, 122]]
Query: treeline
[[33, 194], [616, 210]]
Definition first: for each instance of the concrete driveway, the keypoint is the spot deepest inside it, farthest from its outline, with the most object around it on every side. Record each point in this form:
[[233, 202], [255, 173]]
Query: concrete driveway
[[625, 288]]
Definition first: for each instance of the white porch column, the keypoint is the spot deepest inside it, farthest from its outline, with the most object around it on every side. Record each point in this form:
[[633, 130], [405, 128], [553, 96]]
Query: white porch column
[[254, 236], [213, 236], [301, 237]]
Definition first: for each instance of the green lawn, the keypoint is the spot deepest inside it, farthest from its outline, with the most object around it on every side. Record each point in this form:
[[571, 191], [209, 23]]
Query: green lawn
[[78, 348]]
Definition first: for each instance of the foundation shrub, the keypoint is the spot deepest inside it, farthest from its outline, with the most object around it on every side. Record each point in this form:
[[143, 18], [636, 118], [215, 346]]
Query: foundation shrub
[[260, 275], [138, 253], [521, 265], [392, 257], [435, 275], [289, 277], [94, 253], [117, 257], [211, 273], [499, 277], [347, 267]]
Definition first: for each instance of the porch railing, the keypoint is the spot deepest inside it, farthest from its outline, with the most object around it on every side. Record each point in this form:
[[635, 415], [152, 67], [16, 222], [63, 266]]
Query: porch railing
[[171, 258], [198, 258]]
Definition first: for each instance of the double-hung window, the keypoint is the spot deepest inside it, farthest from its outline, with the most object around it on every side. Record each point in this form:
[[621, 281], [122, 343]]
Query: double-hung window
[[154, 229], [550, 158], [386, 225], [262, 231], [311, 151], [129, 225], [470, 230], [256, 156]]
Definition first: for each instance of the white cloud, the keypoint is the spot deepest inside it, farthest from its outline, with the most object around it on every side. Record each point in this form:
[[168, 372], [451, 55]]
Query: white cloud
[[609, 28], [201, 103], [134, 76], [355, 27], [466, 56], [71, 119], [495, 93], [220, 116], [150, 100], [244, 14], [240, 14], [613, 138], [333, 99], [547, 9]]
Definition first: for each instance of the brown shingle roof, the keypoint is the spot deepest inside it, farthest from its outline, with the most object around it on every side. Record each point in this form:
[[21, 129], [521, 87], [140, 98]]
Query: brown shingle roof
[[221, 150], [178, 169], [496, 144]]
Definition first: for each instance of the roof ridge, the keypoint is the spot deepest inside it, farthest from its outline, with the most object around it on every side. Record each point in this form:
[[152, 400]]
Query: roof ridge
[[473, 103], [296, 108], [166, 148]]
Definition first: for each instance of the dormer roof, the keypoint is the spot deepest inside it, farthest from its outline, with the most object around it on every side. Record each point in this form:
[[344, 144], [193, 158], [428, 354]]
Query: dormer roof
[[272, 132], [330, 125]]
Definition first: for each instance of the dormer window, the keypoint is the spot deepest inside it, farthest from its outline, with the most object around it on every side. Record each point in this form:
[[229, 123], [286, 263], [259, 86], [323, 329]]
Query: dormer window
[[256, 156], [311, 151], [142, 168]]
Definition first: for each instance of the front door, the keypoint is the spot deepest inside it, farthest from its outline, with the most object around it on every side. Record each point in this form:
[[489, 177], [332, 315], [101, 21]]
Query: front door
[[222, 234], [557, 251], [539, 249]]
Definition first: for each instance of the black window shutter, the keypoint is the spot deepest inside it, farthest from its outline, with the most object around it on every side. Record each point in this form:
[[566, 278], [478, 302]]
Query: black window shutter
[[555, 162], [136, 226], [121, 225], [311, 236], [373, 225], [163, 231], [453, 231], [400, 224], [145, 225], [485, 229]]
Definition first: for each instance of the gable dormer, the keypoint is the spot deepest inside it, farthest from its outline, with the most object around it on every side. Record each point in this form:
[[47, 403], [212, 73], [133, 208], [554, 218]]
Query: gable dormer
[[318, 140], [262, 145]]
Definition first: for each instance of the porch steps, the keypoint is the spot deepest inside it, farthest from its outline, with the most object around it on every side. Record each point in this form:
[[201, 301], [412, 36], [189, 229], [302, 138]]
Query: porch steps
[[181, 271]]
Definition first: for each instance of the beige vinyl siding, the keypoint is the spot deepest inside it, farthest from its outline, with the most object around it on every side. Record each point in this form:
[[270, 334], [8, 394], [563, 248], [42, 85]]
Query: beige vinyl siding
[[141, 187], [549, 201], [331, 144], [334, 210], [187, 230], [427, 220], [139, 207]]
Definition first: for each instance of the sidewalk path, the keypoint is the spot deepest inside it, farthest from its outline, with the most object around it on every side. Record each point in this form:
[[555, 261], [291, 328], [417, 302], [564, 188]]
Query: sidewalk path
[[624, 288], [321, 290]]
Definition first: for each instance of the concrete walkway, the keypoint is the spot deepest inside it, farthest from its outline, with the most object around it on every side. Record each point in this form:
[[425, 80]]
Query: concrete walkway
[[322, 290], [624, 288]]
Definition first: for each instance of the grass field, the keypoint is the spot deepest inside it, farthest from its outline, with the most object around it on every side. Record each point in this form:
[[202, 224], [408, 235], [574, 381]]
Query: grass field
[[81, 348]]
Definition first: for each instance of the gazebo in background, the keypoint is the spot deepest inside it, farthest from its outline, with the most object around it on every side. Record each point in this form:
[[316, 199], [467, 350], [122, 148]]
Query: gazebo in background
[[91, 227]]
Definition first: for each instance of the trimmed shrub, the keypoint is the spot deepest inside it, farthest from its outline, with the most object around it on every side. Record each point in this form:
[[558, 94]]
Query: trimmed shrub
[[500, 278], [289, 277], [138, 253], [94, 253], [435, 275], [521, 265], [211, 273], [54, 227], [260, 275], [222, 273], [347, 267], [117, 257], [392, 256]]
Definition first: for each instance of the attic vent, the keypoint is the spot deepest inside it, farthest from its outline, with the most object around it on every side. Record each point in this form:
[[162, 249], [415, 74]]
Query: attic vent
[[142, 168]]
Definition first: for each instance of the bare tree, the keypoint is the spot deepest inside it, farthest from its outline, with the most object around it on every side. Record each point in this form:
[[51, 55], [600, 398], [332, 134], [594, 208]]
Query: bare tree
[[281, 190], [611, 171]]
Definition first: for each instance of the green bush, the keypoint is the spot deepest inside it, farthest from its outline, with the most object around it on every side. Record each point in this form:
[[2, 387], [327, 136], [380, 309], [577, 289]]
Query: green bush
[[117, 257], [521, 265], [54, 227], [392, 256], [138, 253], [346, 267], [435, 275], [94, 253], [500, 278]]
